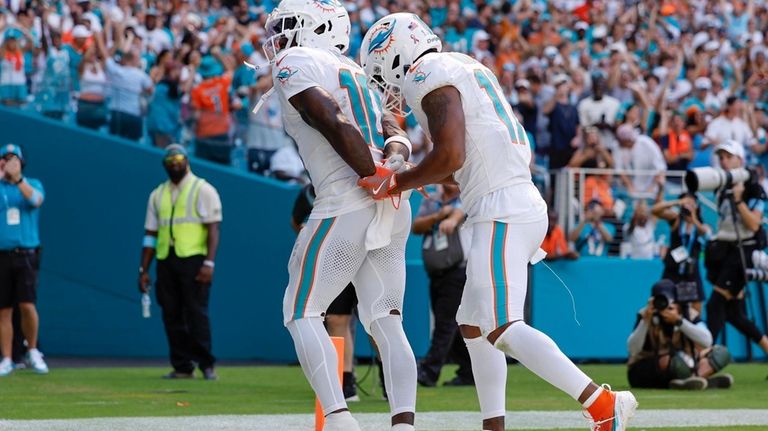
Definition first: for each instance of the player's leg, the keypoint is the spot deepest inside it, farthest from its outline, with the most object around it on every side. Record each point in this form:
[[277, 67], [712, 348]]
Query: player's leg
[[325, 257], [512, 246], [338, 322], [380, 287], [489, 365]]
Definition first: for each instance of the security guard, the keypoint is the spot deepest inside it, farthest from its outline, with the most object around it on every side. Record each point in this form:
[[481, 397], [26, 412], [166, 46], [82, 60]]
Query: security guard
[[182, 231], [20, 200]]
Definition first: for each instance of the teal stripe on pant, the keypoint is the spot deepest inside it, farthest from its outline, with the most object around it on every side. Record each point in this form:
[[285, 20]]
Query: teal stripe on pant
[[499, 273], [309, 267]]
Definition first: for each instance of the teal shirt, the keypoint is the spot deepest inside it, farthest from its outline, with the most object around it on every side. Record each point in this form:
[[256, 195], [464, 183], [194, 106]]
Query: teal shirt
[[74, 63], [591, 243], [21, 231]]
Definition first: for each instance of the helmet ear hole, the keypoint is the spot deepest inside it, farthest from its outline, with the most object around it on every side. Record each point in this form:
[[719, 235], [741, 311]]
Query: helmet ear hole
[[320, 29]]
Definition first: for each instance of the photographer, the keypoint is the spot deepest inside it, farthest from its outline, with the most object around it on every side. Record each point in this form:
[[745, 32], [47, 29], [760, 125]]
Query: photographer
[[740, 212], [671, 347], [687, 238]]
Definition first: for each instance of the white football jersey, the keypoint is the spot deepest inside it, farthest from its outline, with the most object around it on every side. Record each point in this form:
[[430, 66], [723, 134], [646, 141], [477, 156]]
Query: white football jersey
[[297, 69], [498, 153]]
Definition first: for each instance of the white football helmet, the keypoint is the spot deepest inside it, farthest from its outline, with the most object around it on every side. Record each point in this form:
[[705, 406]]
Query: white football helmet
[[309, 23], [389, 49]]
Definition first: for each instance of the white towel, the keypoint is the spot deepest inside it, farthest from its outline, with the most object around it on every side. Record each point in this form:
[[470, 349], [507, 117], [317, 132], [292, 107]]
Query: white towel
[[538, 256], [379, 232]]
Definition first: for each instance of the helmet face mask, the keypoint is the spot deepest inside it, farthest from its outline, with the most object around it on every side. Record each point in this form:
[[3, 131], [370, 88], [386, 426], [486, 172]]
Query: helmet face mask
[[389, 49], [322, 24]]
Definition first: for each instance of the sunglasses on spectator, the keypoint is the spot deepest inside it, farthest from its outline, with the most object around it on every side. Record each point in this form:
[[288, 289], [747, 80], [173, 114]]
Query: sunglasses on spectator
[[175, 158]]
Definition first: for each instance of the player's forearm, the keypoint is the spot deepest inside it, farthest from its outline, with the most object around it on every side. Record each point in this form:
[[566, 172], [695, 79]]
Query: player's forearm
[[433, 169], [390, 126]]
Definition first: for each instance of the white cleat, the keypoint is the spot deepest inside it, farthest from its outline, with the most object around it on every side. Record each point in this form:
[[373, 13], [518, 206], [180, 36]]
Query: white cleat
[[6, 367], [342, 421], [624, 408]]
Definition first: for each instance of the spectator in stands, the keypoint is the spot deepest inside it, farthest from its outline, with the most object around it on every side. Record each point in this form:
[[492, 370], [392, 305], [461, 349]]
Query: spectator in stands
[[438, 220], [164, 116], [671, 347], [563, 124], [730, 126], [211, 104], [182, 231], [13, 78], [19, 257], [286, 165], [80, 39], [56, 83], [554, 242], [640, 232], [675, 141], [600, 110], [92, 100], [687, 237], [593, 155], [591, 236], [639, 153], [526, 106]]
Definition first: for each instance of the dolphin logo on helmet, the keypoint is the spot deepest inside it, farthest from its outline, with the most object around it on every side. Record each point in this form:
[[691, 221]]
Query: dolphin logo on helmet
[[382, 38]]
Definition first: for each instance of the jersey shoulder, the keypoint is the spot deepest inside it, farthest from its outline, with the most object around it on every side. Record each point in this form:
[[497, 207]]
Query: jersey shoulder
[[299, 68], [434, 71]]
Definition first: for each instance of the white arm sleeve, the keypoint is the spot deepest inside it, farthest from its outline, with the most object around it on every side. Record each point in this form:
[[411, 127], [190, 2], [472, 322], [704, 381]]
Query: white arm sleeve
[[697, 332], [637, 338]]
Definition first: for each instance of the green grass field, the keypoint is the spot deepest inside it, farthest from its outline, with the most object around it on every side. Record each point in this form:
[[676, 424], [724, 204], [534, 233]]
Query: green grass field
[[112, 392]]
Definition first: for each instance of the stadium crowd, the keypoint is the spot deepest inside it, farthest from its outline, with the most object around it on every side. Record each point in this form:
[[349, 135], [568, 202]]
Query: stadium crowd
[[627, 85]]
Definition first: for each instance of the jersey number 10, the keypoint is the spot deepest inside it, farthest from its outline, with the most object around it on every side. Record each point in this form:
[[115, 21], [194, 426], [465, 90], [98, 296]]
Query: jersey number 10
[[362, 106]]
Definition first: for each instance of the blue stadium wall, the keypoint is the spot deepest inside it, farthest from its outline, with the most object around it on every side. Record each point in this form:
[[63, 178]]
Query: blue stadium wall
[[91, 228]]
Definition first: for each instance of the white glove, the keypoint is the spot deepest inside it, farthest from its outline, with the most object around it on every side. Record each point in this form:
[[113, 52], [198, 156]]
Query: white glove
[[395, 163]]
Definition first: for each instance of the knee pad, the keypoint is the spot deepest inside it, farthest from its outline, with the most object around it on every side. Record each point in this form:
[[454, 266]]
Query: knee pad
[[719, 357], [679, 367]]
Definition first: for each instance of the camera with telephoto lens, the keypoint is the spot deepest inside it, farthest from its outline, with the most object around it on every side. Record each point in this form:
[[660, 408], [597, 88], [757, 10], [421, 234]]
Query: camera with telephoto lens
[[759, 272], [708, 179]]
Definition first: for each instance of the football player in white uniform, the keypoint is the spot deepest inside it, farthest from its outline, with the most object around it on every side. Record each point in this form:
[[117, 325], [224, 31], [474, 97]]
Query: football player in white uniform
[[479, 144], [342, 135]]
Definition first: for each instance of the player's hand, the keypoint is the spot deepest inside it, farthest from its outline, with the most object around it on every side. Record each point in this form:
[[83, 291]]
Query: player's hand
[[380, 183], [204, 275], [395, 163], [647, 312], [144, 282]]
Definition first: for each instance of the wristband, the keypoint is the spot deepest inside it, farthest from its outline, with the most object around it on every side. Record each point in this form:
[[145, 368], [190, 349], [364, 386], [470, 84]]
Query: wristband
[[402, 140], [21, 178], [737, 203], [209, 263], [149, 241]]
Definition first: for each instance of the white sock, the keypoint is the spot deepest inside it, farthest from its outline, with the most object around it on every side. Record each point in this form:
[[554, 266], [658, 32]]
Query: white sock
[[541, 355], [398, 362], [319, 361], [5, 360], [403, 427], [489, 368], [592, 398]]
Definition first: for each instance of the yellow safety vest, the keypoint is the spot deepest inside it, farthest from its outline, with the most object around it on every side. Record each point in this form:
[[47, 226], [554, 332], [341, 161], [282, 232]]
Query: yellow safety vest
[[180, 222]]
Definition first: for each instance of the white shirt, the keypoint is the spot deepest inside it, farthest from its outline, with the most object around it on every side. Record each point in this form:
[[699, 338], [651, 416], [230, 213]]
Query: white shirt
[[495, 180], [591, 112], [644, 155], [642, 241], [127, 84], [722, 129], [297, 69]]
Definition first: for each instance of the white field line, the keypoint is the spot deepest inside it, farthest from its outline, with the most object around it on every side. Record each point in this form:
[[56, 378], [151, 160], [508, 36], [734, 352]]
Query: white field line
[[432, 421]]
